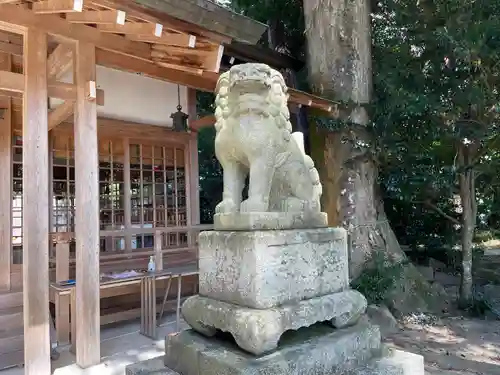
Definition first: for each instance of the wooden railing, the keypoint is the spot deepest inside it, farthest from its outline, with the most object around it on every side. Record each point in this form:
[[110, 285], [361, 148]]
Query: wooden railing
[[62, 260]]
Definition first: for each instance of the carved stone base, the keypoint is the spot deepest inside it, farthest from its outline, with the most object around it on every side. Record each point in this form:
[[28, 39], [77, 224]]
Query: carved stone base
[[258, 331], [267, 268], [270, 220]]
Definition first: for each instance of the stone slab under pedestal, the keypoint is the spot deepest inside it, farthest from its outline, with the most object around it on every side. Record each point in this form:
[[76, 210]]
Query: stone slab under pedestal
[[263, 269], [270, 220], [209, 356], [258, 331], [319, 350]]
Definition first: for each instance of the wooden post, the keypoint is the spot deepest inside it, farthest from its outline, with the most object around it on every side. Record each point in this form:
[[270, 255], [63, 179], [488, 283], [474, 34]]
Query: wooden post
[[5, 181], [192, 173], [87, 210], [35, 203], [158, 250]]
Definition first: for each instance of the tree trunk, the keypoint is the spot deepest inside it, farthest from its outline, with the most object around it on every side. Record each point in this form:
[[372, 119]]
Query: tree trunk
[[469, 211], [339, 62]]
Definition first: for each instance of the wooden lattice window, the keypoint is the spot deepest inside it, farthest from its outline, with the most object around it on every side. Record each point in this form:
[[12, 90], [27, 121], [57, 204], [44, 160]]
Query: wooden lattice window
[[112, 192], [158, 192], [17, 199], [63, 184]]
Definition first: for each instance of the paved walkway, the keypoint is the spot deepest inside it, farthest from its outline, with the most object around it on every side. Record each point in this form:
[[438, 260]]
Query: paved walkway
[[120, 346]]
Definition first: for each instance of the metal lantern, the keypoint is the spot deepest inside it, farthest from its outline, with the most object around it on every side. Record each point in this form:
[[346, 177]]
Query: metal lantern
[[179, 118]]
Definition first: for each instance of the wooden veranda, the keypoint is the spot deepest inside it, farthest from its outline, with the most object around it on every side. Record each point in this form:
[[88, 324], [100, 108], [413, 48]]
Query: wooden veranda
[[50, 55]]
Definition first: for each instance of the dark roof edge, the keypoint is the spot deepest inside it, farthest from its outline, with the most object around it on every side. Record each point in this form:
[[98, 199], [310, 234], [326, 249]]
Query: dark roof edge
[[210, 16], [256, 53]]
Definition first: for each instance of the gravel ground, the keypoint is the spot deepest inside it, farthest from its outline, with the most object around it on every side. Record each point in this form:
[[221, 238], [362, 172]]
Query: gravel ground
[[453, 345]]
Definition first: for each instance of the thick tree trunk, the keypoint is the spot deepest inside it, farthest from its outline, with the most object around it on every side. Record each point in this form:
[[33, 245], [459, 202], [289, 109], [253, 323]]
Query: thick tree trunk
[[339, 58], [469, 210]]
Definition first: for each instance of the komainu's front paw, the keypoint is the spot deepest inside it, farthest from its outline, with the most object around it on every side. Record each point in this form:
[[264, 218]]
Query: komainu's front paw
[[254, 205], [226, 206]]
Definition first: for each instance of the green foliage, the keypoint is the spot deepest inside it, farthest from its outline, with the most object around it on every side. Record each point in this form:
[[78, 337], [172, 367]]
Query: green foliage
[[436, 77], [376, 282], [210, 169]]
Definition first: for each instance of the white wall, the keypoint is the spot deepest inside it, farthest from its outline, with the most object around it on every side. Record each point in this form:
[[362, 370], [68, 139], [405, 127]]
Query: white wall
[[132, 97]]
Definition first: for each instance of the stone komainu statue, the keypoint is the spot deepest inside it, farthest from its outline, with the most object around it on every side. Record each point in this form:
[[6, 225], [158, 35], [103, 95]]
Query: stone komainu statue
[[254, 136]]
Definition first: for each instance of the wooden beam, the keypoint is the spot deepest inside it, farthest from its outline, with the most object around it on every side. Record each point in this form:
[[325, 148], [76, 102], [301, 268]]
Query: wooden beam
[[87, 212], [60, 62], [15, 49], [5, 185], [170, 39], [67, 91], [61, 113], [98, 17], [8, 37], [36, 200], [11, 81], [213, 61], [57, 6], [181, 68], [150, 69], [129, 28], [65, 31], [203, 122]]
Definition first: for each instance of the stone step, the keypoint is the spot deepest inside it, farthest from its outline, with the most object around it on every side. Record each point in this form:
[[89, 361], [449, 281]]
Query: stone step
[[314, 350]]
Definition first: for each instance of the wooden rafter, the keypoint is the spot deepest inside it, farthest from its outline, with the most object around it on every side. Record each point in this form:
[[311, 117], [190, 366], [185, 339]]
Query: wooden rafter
[[57, 6], [205, 59], [167, 38], [129, 28], [98, 17], [167, 21], [59, 62], [63, 30]]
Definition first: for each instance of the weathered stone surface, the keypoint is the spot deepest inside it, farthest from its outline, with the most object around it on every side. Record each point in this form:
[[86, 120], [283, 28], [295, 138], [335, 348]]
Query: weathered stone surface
[[319, 350], [270, 220], [254, 137], [382, 317], [153, 366], [262, 269], [394, 362], [258, 331]]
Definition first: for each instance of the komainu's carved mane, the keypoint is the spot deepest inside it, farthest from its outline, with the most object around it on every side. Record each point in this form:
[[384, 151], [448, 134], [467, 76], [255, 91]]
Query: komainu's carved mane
[[254, 138], [277, 96]]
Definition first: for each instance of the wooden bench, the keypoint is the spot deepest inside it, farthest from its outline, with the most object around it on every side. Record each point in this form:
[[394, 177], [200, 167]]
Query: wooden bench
[[64, 298]]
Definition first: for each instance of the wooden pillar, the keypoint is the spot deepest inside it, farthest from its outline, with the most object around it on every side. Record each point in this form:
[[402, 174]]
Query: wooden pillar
[[192, 173], [86, 210], [35, 206], [5, 181]]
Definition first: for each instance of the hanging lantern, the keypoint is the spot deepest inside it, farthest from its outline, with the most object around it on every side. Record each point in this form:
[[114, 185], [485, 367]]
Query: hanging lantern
[[179, 118]]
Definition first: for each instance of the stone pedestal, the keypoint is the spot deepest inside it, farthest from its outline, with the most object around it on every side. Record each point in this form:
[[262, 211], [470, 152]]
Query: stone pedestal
[[283, 298], [266, 268], [259, 331]]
